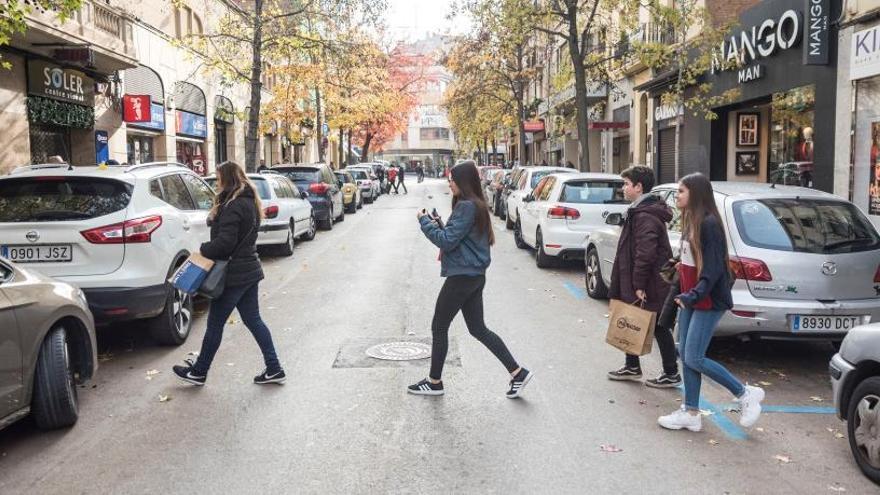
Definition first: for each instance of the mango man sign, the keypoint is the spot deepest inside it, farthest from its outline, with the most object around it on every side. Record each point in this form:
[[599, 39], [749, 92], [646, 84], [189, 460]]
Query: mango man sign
[[52, 81]]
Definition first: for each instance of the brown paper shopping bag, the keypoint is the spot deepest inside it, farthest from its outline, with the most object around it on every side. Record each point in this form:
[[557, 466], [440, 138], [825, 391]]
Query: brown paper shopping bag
[[630, 328]]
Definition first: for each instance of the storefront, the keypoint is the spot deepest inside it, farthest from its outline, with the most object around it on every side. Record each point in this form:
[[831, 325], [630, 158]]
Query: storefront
[[864, 72], [60, 111], [781, 126], [142, 135], [224, 117], [191, 127]]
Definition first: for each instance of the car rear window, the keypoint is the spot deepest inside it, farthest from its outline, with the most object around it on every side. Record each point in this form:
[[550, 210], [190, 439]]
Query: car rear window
[[359, 174], [592, 192], [804, 225], [52, 199], [302, 174], [537, 176]]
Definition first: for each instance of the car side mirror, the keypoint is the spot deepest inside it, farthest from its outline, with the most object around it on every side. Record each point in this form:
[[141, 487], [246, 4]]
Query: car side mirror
[[614, 219], [339, 182], [305, 194], [528, 199]]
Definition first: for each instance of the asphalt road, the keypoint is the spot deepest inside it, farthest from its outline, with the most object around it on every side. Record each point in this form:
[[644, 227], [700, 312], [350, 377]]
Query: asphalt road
[[344, 424]]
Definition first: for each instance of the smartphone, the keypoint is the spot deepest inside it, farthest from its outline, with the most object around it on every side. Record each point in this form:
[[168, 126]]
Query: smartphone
[[437, 218]]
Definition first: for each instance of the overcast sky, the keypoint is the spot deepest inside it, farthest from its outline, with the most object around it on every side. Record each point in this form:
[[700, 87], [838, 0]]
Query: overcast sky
[[411, 20]]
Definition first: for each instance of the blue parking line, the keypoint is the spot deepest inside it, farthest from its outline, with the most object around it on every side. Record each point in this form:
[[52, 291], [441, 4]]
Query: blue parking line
[[730, 429], [575, 291], [791, 409]]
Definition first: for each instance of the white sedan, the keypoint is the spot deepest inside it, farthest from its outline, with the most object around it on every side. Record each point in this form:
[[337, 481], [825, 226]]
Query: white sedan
[[563, 208], [526, 182]]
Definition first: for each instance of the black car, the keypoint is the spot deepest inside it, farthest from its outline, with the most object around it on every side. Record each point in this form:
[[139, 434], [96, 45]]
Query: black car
[[319, 184]]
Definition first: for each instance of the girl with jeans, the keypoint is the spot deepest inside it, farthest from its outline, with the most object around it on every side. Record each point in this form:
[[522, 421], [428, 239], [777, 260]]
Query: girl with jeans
[[705, 295], [464, 256], [235, 222]]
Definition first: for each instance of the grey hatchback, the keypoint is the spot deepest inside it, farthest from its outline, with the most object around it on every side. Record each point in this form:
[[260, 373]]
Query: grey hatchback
[[47, 347]]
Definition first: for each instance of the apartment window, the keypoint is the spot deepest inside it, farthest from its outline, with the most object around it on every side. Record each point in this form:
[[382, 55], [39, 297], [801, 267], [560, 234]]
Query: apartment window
[[433, 133], [186, 22]]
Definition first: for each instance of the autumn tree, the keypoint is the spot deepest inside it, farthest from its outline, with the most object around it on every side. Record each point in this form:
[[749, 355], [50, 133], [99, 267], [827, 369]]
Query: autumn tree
[[14, 13]]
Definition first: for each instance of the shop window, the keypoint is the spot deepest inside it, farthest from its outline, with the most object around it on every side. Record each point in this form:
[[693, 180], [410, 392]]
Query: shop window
[[140, 149], [186, 23], [433, 133], [792, 126]]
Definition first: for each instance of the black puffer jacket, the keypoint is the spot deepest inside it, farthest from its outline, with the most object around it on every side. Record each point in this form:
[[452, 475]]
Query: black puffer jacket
[[236, 224]]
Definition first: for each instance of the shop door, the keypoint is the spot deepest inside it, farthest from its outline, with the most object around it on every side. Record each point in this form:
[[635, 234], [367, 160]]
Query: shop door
[[666, 155], [48, 141], [220, 142]]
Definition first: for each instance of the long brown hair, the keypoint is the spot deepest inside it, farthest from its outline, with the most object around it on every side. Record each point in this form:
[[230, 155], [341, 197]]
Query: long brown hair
[[701, 204], [232, 181], [467, 178]]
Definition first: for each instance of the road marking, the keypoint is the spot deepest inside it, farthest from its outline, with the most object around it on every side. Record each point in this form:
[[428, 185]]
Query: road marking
[[792, 409], [725, 424], [574, 290]]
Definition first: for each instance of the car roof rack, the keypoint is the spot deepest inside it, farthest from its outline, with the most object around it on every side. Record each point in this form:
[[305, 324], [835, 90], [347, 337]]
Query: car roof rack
[[139, 166], [40, 166]]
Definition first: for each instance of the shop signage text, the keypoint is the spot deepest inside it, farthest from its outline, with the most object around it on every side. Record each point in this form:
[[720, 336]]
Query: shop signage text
[[191, 124], [816, 47], [865, 53], [157, 118], [51, 81], [533, 125], [608, 125], [758, 42], [665, 112]]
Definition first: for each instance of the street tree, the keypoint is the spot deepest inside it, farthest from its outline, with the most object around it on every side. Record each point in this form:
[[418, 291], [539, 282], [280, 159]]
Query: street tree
[[14, 13]]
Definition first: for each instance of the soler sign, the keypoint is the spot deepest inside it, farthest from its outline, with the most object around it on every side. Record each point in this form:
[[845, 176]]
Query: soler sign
[[51, 81]]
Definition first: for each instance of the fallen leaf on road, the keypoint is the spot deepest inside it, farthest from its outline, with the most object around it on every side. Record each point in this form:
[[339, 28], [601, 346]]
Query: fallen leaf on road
[[643, 402], [706, 412], [605, 315], [581, 320], [287, 329], [230, 364], [611, 401], [759, 429], [410, 333], [784, 459], [271, 307], [713, 442], [531, 290], [838, 435], [816, 399], [153, 372], [764, 384], [836, 488], [164, 398], [830, 430], [610, 448]]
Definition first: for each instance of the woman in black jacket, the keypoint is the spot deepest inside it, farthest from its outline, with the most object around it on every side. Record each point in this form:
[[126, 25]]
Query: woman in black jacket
[[235, 221]]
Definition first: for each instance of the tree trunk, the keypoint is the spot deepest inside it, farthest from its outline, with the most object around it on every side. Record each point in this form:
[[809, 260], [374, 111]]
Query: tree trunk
[[494, 151], [365, 152], [319, 125], [521, 127], [580, 88], [341, 147], [486, 149], [479, 155], [252, 136], [348, 153]]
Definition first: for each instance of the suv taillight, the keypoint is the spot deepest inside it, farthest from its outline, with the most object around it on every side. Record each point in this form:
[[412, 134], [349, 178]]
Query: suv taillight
[[319, 188], [877, 275], [128, 232], [750, 269], [563, 212], [271, 212]]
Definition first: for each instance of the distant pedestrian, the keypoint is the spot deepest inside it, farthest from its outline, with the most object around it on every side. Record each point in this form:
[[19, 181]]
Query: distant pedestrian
[[420, 172], [380, 176], [392, 179], [401, 174], [705, 284], [642, 250], [544, 163], [234, 221], [464, 244]]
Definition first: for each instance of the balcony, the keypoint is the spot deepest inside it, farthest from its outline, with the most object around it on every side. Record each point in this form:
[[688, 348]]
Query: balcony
[[595, 92], [648, 32], [98, 26]]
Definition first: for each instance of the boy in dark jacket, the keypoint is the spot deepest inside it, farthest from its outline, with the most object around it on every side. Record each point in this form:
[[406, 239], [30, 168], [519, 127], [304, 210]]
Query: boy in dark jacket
[[642, 251]]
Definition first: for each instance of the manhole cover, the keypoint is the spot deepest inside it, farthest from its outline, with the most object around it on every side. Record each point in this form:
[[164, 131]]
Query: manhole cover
[[400, 351]]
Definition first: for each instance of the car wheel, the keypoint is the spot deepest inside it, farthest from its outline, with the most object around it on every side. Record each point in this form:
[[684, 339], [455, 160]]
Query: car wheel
[[341, 217], [328, 223], [508, 221], [542, 259], [517, 236], [286, 249], [173, 325], [360, 203], [369, 200], [352, 207], [313, 228], [593, 277], [502, 211], [863, 421], [55, 403]]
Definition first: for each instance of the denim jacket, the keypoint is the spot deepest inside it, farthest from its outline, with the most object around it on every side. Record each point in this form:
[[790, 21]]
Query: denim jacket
[[463, 250]]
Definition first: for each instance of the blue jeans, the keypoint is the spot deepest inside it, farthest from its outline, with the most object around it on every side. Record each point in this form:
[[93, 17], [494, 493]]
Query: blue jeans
[[695, 328], [245, 298]]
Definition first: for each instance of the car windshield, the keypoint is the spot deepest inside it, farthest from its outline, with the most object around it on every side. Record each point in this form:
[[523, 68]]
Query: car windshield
[[359, 174], [537, 176], [52, 199], [820, 226], [302, 174], [593, 192], [345, 178]]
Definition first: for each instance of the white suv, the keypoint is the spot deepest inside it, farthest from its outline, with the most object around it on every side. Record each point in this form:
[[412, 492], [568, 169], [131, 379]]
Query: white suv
[[116, 232]]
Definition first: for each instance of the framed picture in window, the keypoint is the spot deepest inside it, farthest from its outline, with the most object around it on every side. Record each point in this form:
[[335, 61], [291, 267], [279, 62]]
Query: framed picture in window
[[747, 163], [747, 129]]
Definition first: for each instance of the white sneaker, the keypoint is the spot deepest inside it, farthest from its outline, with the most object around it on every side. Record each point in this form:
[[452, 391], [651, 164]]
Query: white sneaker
[[681, 419], [751, 405]]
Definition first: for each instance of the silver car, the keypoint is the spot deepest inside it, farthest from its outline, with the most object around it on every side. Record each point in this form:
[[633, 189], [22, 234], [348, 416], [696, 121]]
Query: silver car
[[855, 380], [806, 262]]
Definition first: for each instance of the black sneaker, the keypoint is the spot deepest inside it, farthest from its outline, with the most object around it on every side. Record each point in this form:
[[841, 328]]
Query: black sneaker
[[187, 374], [664, 381], [518, 383], [266, 377], [425, 387], [626, 373]]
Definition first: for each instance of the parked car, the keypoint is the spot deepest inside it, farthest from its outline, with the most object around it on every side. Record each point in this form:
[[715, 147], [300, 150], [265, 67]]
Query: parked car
[[351, 193], [485, 173], [855, 382], [525, 182], [287, 214], [562, 210], [492, 190], [116, 232], [48, 337], [323, 190], [510, 184], [793, 174], [366, 180], [805, 262]]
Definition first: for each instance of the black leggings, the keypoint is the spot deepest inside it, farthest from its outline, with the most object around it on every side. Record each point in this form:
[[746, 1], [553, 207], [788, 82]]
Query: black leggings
[[464, 293]]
